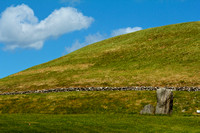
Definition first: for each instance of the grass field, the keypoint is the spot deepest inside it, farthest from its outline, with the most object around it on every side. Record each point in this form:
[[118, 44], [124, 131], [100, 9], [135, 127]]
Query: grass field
[[96, 111], [98, 123], [162, 56], [95, 102], [100, 111]]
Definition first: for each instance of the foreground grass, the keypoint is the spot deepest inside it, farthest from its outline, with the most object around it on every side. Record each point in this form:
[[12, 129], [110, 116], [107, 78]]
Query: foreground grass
[[97, 123], [162, 56], [103, 111], [95, 102]]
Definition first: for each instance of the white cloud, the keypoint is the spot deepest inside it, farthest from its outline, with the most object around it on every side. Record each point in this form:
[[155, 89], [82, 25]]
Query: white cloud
[[20, 28], [94, 38], [99, 37], [88, 40], [125, 31]]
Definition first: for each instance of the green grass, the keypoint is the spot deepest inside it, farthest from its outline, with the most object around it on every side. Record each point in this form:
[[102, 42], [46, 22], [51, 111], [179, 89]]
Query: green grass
[[77, 102], [77, 123], [96, 111], [162, 56], [95, 102]]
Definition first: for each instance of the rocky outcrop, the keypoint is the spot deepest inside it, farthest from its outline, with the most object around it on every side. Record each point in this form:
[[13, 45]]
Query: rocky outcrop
[[148, 109], [164, 101]]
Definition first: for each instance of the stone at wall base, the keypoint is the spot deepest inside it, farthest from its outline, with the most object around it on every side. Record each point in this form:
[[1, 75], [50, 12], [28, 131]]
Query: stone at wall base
[[148, 109]]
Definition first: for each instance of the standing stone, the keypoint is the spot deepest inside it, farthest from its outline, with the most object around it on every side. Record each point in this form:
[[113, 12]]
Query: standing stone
[[164, 101], [148, 109]]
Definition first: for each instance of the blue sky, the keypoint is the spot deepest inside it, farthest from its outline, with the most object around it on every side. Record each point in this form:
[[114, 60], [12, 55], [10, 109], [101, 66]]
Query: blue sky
[[36, 31]]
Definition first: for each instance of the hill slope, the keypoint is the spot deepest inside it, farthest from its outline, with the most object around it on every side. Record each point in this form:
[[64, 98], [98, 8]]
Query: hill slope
[[162, 56]]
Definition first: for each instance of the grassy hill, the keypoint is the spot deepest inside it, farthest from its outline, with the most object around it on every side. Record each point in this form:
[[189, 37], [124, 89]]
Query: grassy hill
[[162, 56]]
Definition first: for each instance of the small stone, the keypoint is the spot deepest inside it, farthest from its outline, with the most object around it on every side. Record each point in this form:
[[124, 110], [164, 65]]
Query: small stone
[[148, 109], [183, 110]]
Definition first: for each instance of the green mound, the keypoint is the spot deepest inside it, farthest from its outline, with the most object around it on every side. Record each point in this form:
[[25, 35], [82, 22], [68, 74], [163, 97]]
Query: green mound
[[162, 56]]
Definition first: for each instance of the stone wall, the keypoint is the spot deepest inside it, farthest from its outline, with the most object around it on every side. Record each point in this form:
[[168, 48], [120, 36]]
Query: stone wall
[[102, 89]]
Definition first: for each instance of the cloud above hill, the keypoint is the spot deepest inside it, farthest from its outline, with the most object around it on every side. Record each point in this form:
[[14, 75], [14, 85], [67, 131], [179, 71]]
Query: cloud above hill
[[20, 28], [92, 38], [125, 30]]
